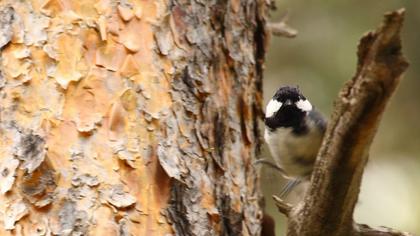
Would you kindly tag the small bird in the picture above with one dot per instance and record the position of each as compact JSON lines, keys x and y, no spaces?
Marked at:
{"x":293,"y":131}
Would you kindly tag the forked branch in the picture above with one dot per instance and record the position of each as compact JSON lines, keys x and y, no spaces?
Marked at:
{"x":328,"y":206}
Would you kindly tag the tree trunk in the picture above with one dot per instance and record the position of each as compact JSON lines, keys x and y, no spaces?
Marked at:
{"x":130,"y":117}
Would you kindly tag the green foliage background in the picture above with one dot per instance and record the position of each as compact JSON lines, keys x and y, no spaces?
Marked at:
{"x":320,"y":60}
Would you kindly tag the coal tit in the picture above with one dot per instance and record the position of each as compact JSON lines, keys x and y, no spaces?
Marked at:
{"x":293,"y":131}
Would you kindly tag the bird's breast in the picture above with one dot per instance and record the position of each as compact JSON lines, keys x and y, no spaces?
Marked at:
{"x":294,"y":153}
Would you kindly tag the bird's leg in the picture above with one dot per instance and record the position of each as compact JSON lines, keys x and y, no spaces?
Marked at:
{"x":288,"y":187}
{"x":270,"y":164}
{"x":291,"y":183}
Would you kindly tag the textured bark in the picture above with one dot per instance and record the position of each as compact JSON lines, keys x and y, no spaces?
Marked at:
{"x":130,"y":117}
{"x":328,"y":206}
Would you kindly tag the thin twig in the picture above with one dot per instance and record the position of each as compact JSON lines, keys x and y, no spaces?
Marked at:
{"x":281,"y":28}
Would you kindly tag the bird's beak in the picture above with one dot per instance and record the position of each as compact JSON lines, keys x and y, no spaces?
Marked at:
{"x":288,"y":102}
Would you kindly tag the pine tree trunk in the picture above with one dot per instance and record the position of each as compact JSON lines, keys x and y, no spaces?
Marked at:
{"x":130,"y":117}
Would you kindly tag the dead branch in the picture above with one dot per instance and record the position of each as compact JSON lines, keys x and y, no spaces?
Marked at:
{"x":281,"y":28}
{"x":328,"y":206}
{"x":365,"y":230}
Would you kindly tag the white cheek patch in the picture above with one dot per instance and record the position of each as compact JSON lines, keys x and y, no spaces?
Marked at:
{"x":272,"y":107}
{"x":304,"y":105}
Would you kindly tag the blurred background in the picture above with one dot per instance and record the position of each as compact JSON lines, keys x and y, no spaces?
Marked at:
{"x":320,"y":59}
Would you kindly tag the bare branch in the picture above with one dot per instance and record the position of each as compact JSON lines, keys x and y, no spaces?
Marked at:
{"x":365,"y":230}
{"x":281,"y":28}
{"x":329,"y":203}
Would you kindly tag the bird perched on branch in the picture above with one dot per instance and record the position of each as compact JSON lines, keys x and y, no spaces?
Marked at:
{"x":293,"y":131}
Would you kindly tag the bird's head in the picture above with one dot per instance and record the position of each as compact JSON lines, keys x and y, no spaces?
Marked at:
{"x":287,"y":108}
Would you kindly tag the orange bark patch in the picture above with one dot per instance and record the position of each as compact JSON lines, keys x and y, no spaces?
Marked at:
{"x":70,"y":67}
{"x":13,"y":61}
{"x":129,"y":36}
{"x":87,"y":102}
{"x":125,"y":12}
{"x":129,"y":67}
{"x":110,"y":55}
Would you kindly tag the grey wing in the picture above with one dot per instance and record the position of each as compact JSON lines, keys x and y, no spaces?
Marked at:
{"x":319,"y":119}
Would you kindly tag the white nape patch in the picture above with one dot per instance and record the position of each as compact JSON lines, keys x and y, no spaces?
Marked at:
{"x":272,"y":107}
{"x":304,"y":105}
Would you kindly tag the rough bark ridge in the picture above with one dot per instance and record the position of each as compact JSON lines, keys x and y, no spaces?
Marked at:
{"x":328,"y":206}
{"x":130,"y":117}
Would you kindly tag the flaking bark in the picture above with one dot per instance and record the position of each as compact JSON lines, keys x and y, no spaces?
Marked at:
{"x":130,"y":117}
